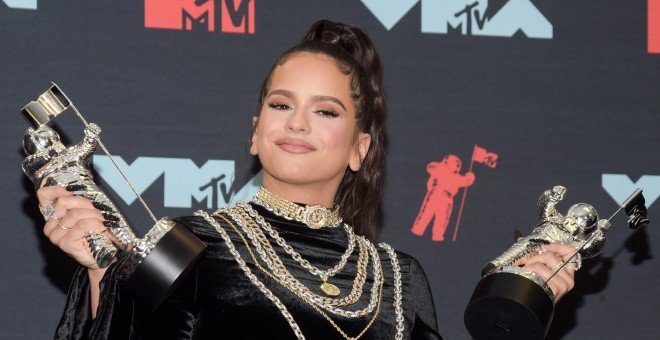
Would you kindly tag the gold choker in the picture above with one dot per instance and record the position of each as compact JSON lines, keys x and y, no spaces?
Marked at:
{"x":314,"y":216}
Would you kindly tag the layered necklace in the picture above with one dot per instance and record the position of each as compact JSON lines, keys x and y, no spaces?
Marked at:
{"x":327,"y":288}
{"x":314,"y":216}
{"x":257,"y":230}
{"x":275,"y":265}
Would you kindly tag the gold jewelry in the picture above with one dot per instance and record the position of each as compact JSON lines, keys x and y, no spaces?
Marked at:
{"x":328,"y":288}
{"x":398,"y":298}
{"x":256,"y":262}
{"x":269,"y":256}
{"x":62,"y":226}
{"x":283,"y":310}
{"x":246,"y":270}
{"x":314,"y":216}
{"x":557,"y":266}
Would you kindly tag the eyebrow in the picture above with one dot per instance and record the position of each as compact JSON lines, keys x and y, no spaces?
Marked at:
{"x":317,"y":98}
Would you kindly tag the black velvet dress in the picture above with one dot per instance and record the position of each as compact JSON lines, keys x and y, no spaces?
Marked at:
{"x":218,"y":301}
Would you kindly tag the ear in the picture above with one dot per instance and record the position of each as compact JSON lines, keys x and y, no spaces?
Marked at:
{"x":360,"y":152}
{"x":253,"y":148}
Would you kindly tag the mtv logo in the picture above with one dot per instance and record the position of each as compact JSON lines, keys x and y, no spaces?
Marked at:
{"x":237,"y":16}
{"x":472,"y":18}
{"x":183,"y":181}
{"x":179,"y":14}
{"x":654,"y":26}
{"x":22,"y":4}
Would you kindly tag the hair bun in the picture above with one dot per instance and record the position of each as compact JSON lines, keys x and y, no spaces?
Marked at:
{"x":353,"y":40}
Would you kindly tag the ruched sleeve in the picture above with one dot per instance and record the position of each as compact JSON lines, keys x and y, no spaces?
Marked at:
{"x":425,"y":324}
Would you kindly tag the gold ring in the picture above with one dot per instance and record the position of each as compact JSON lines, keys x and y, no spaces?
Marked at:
{"x":555,"y":267}
{"x":65,"y":228}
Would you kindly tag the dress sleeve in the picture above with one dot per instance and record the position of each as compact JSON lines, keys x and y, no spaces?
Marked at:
{"x":425,"y":324}
{"x":118,"y":315}
{"x":113,"y":316}
{"x":76,"y":319}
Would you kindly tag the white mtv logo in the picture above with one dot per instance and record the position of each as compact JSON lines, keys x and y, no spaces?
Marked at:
{"x":469,"y":15}
{"x":23,"y":4}
{"x":620,"y":186}
{"x":183,"y":180}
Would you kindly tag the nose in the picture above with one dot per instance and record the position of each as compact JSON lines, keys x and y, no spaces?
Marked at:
{"x":298,"y":122}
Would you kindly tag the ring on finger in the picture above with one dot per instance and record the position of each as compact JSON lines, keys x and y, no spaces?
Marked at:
{"x":557,"y":266}
{"x":576,"y":265}
{"x":62,"y":226}
{"x":578,"y":261}
{"x":48,"y":212}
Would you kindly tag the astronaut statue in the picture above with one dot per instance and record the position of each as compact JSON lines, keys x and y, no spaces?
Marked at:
{"x":511,"y":302}
{"x":150,"y":267}
{"x":580,"y":228}
{"x":50,"y":163}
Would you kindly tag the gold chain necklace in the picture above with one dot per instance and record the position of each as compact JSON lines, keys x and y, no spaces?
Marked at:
{"x":269,"y":256}
{"x":314,"y":216}
{"x":248,"y":273}
{"x":328,"y":288}
{"x":325,"y":316}
{"x":398,"y":298}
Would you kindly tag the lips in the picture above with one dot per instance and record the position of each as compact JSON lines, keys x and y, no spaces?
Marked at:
{"x":294,"y":145}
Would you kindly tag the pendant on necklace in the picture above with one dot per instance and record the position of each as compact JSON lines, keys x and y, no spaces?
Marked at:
{"x":329,"y":289}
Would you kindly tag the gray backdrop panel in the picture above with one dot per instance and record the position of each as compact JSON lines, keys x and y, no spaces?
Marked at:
{"x":563,"y":111}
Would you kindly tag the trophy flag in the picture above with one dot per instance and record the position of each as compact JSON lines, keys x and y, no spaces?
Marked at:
{"x":479,"y":155}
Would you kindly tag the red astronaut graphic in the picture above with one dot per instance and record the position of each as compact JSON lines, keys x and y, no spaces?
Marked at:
{"x":443,"y":184}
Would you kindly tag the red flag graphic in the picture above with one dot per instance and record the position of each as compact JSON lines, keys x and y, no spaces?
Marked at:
{"x":480,"y":155}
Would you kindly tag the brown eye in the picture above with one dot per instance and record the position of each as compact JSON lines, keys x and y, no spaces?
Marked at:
{"x":279,"y":106}
{"x":328,"y":113}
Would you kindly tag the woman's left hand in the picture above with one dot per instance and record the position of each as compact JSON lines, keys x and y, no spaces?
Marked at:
{"x":548,"y":261}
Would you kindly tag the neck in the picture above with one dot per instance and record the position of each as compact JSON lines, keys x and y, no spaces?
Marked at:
{"x":309,"y":193}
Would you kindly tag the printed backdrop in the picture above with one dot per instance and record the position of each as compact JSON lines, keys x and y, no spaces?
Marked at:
{"x":490,"y":104}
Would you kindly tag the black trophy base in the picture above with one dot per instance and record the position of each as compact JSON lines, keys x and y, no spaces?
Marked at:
{"x":508,"y":306}
{"x":168,"y":263}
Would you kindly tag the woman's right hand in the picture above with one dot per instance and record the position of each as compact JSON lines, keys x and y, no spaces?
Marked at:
{"x":72,"y":218}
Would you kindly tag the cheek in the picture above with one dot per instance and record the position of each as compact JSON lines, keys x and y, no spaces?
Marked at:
{"x":267,"y":124}
{"x":340,"y":139}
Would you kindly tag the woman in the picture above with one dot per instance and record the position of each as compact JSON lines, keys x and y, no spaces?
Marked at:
{"x":274,"y":268}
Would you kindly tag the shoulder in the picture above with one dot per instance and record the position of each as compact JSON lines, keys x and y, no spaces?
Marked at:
{"x":402,"y":257}
{"x":210,"y":228}
{"x":202,"y":220}
{"x":408,"y":266}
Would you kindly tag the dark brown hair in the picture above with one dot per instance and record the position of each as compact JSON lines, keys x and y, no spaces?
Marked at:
{"x":360,"y":192}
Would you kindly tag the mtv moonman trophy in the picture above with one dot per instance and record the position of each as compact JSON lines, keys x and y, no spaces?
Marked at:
{"x":511,"y":302}
{"x":150,"y":267}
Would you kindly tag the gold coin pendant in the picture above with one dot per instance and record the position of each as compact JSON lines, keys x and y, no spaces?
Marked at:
{"x":330,"y":289}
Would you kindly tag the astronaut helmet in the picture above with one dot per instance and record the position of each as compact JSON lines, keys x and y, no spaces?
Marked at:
{"x":452,"y":162}
{"x":40,"y":139}
{"x":580,"y":219}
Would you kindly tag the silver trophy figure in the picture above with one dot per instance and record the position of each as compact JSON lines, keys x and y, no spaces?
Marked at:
{"x":150,"y":267}
{"x":511,"y":302}
{"x":49,"y":162}
{"x":581,"y":224}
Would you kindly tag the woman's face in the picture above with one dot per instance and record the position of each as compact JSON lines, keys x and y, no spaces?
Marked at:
{"x":306,"y":133}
